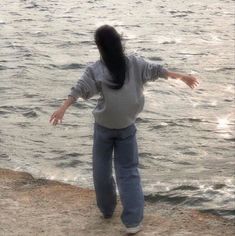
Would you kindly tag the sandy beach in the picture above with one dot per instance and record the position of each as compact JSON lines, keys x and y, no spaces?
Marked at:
{"x":31,"y":206}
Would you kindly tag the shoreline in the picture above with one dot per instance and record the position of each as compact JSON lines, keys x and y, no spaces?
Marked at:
{"x":37,"y":206}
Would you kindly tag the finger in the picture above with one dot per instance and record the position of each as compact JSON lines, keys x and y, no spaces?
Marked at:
{"x":55,"y":121}
{"x":52,"y":116}
{"x":51,"y":119}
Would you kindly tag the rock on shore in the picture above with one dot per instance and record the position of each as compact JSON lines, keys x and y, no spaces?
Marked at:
{"x":30,"y":206}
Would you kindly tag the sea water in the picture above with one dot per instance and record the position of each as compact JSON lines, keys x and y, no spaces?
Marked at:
{"x":186,"y":137}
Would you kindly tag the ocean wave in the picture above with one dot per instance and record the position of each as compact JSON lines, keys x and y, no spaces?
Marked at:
{"x":199,"y":197}
{"x":72,"y":163}
{"x":3,"y":67}
{"x":70,"y":66}
{"x":4,"y":156}
{"x":29,"y":114}
{"x":226,"y":213}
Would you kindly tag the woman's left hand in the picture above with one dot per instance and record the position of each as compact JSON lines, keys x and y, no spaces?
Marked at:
{"x":191,"y":81}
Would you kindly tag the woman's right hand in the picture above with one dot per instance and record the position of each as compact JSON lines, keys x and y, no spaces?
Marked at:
{"x":57,"y":116}
{"x":190,"y":80}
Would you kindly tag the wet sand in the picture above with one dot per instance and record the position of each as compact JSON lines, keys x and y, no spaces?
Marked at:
{"x":31,"y":206}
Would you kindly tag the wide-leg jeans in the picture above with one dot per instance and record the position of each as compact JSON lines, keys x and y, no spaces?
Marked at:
{"x":122,"y":143}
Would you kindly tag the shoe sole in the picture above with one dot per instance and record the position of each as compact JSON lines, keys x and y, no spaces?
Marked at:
{"x":134,"y":230}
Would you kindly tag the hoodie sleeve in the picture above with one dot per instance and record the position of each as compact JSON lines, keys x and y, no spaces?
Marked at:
{"x":150,"y":70}
{"x":86,"y":87}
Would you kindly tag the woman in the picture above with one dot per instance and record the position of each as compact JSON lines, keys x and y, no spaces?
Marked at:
{"x":119,"y":80}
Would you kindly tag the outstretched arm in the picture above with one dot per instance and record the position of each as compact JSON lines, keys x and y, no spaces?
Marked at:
{"x":191,"y":81}
{"x":85,"y":88}
{"x":152,"y":71}
{"x":57,"y":116}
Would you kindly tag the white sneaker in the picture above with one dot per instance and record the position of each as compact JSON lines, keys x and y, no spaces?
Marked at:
{"x":134,"y":230}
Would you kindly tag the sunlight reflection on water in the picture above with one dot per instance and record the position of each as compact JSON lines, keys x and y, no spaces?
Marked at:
{"x":222,"y":123}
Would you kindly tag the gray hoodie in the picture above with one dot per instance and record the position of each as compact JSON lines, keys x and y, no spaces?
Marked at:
{"x":117,"y":109}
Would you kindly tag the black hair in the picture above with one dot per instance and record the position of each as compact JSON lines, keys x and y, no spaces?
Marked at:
{"x":109,"y":43}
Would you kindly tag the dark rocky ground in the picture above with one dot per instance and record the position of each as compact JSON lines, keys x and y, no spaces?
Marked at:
{"x":31,"y":206}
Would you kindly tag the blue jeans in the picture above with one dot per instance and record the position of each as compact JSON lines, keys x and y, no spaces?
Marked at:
{"x":123,"y":143}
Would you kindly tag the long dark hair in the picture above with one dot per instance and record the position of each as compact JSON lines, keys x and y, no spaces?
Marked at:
{"x":109,"y":43}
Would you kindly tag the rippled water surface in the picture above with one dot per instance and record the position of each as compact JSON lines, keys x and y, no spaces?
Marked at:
{"x":186,"y":138}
